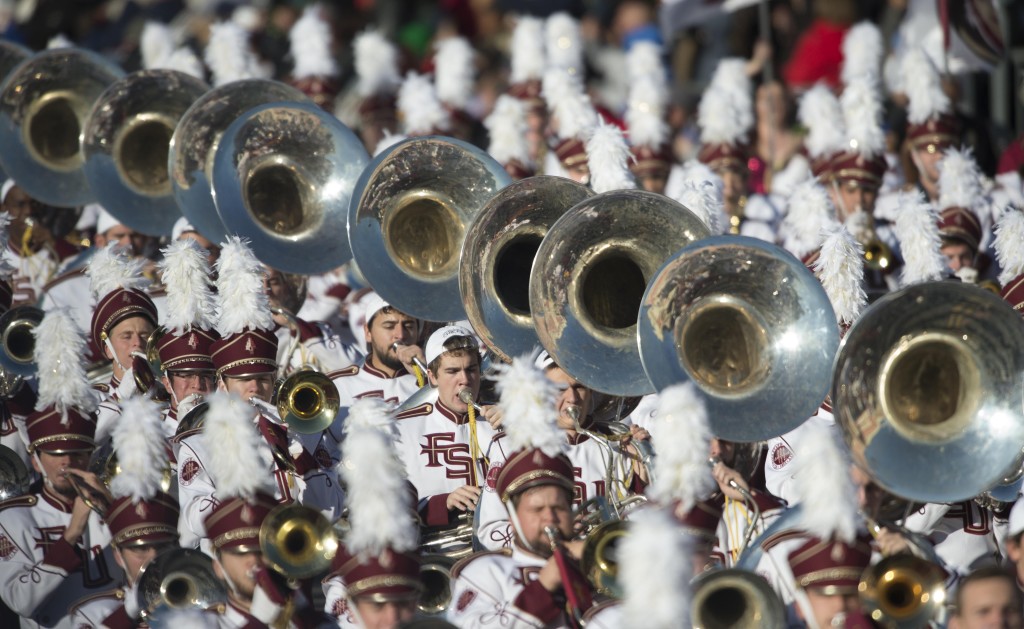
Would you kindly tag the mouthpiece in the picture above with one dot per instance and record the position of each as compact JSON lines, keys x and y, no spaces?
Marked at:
{"x":714,"y":460}
{"x":466,"y":396}
{"x":573,"y":412}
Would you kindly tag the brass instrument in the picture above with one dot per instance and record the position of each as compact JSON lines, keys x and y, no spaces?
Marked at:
{"x":408,"y":218}
{"x":466,"y":397}
{"x":18,"y":340}
{"x":93,"y":498}
{"x":126,"y":141}
{"x":297,"y":541}
{"x":11,"y":55}
{"x":930,"y":374}
{"x":44,"y":105}
{"x":903,"y":591}
{"x":178,"y":579}
{"x":419,"y":363}
{"x":749,"y":325}
{"x":194,"y":144}
{"x":878,"y":256}
{"x":192,"y":420}
{"x":426,"y":394}
{"x":14,"y":476}
{"x":734,"y":598}
{"x":619,"y":506}
{"x":436,"y":573}
{"x":588,"y":278}
{"x":750,"y":502}
{"x":294,"y":340}
{"x":283,"y":175}
{"x":453,"y":541}
{"x":307,"y":401}
{"x":599,"y":559}
{"x":498,"y":253}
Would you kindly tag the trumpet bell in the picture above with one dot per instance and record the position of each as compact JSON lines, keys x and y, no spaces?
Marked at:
{"x":194,"y":144}
{"x":308,"y":402}
{"x":733,"y":598}
{"x":599,"y":560}
{"x":177,"y":579}
{"x":408,"y":219}
{"x":126,"y":141}
{"x":903,"y":591}
{"x":497,"y":256}
{"x":14,"y":477}
{"x":18,"y":340}
{"x":588,"y":279}
{"x":297,"y":541}
{"x":928,"y":375}
{"x":282,"y":177}
{"x":748,"y":324}
{"x":44,"y":105}
{"x":436,"y":573}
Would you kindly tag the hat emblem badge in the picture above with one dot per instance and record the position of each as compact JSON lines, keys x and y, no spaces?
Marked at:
{"x":192,"y":340}
{"x":250,"y":346}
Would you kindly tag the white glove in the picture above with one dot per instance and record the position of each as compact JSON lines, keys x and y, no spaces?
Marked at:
{"x":189,"y":403}
{"x":126,"y":388}
{"x":131,"y":602}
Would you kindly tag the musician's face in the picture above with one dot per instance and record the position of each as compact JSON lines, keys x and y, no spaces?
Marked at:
{"x":571,"y":393}
{"x":52,"y":466}
{"x":128,"y":336}
{"x":384,"y":614}
{"x":259,"y":386}
{"x":987,"y":604}
{"x":958,"y":255}
{"x":455,"y":373}
{"x":927,"y":159}
{"x":547,"y":505}
{"x":855,"y":197}
{"x":386,"y":329}
{"x":184,"y":383}
{"x":240,"y":569}
{"x":133,"y":559}
{"x":825,"y":607}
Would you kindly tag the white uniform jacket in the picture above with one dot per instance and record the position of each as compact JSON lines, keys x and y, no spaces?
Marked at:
{"x":313,"y":345}
{"x":364,"y":380}
{"x":105,"y":609}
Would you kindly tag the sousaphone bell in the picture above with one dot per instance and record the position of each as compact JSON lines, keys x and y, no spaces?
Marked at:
{"x":588,"y":279}
{"x":731,"y":598}
{"x":14,"y":476}
{"x":178,"y":579}
{"x":749,"y":325}
{"x":497,"y":256}
{"x":283,"y":176}
{"x":408,"y":219}
{"x":44,"y":105}
{"x":11,"y":54}
{"x":126,"y":141}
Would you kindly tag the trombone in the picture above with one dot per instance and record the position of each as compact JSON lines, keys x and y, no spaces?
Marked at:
{"x":903,"y":591}
{"x":297,"y":541}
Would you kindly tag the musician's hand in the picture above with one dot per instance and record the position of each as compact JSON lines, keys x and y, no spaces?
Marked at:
{"x":406,"y":354}
{"x":127,"y":387}
{"x":464,"y":498}
{"x":280,"y":319}
{"x":493,"y":414}
{"x":269,"y":596}
{"x":723,"y":474}
{"x":550,"y":576}
{"x":80,"y":511}
{"x":636,"y":433}
{"x":891,"y":542}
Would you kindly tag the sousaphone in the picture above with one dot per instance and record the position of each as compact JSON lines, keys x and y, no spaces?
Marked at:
{"x":408,"y":220}
{"x":497,"y":256}
{"x":11,"y":54}
{"x":927,"y":390}
{"x":589,"y":276}
{"x":44,"y":105}
{"x":749,"y":325}
{"x":126,"y":141}
{"x":283,"y":176}
{"x":195,"y":140}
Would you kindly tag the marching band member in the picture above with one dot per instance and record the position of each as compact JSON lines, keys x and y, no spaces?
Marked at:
{"x":378,"y":78}
{"x":645,"y":117}
{"x":143,"y":519}
{"x":589,"y":457}
{"x":55,"y":549}
{"x":961,"y":228}
{"x":1010,"y":253}
{"x":442,"y":444}
{"x":932,"y":126}
{"x":1012,"y":541}
{"x":375,"y":577}
{"x":20,"y":401}
{"x":988,"y":597}
{"x":573,"y":117}
{"x":508,"y":131}
{"x":533,"y":584}
{"x":30,"y":249}
{"x":184,"y":349}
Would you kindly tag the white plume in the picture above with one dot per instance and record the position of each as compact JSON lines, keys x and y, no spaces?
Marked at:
{"x":60,"y":356}
{"x":644,"y":60}
{"x":574,"y":114}
{"x":683,"y":442}
{"x":311,"y":41}
{"x":823,"y":486}
{"x":376,"y":64}
{"x":141,"y":449}
{"x":378,"y":501}
{"x":862,"y":114}
{"x":959,"y":179}
{"x":703,"y":198}
{"x":862,"y":53}
{"x":809,"y":211}
{"x":7,"y":270}
{"x":455,"y":71}
{"x":726,"y":114}
{"x":821,"y":114}
{"x":241,"y":300}
{"x":1009,"y":245}
{"x":528,"y":402}
{"x":527,"y":47}
{"x":185,"y":271}
{"x":113,"y":267}
{"x":60,"y":40}
{"x":230,"y":431}
{"x":608,"y":158}
{"x":155,"y":44}
{"x":655,"y":571}
{"x":840,"y":269}
{"x":923,"y":87}
{"x":389,"y":140}
{"x":228,"y":54}
{"x":917,"y":230}
{"x":645,"y":113}
{"x":564,"y":43}
{"x":508,"y":129}
{"x":419,"y":107}
{"x":375,"y":416}
{"x":185,"y":61}
{"x":892,"y":74}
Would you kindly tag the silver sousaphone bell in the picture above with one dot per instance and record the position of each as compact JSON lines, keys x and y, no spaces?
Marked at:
{"x":178,"y":579}
{"x":497,"y":257}
{"x":14,"y":476}
{"x":927,"y":390}
{"x":408,"y":219}
{"x":588,"y":278}
{"x":44,"y":105}
{"x":283,"y":176}
{"x":195,"y":140}
{"x":11,"y":54}
{"x":748,"y":324}
{"x":126,"y":141}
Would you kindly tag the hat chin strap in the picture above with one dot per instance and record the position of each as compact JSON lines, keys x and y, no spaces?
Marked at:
{"x":110,"y":346}
{"x":42,"y":470}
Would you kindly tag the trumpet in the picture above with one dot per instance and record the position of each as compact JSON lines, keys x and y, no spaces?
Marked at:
{"x":92,"y":497}
{"x":177,"y":579}
{"x":298,"y":542}
{"x":903,"y":591}
{"x":454,"y":541}
{"x":307,"y":401}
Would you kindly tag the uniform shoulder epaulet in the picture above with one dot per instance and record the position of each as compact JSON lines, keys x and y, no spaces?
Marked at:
{"x":465,"y":561}
{"x":351,"y":370}
{"x":63,"y":277}
{"x":102,"y":387}
{"x":600,"y":607}
{"x":116,"y":593}
{"x":19,"y":501}
{"x":498,"y":436}
{"x":417,"y":411}
{"x":179,"y":437}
